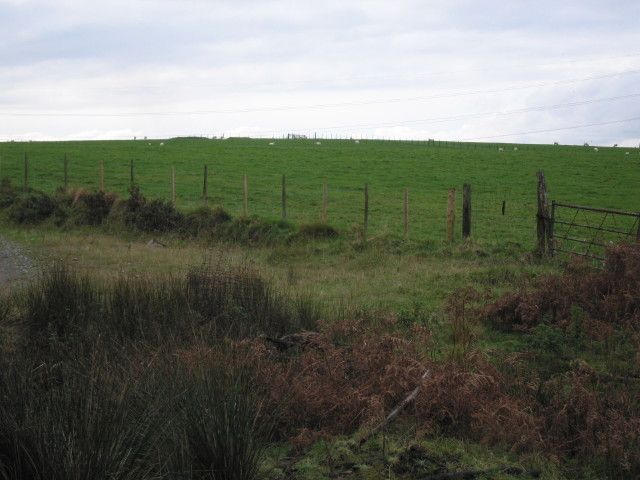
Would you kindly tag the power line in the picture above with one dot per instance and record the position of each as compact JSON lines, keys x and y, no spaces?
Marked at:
{"x":435,"y":120}
{"x":488,"y":114}
{"x":379,"y":76}
{"x":325,"y":105}
{"x":572,"y":127}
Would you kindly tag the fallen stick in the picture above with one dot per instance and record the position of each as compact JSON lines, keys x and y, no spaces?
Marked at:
{"x":396,"y":411}
{"x":471,"y":474}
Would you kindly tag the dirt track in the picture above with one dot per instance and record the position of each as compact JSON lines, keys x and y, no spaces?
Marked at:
{"x":15,"y":265}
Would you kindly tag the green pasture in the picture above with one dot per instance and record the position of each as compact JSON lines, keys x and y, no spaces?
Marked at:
{"x":608,"y":177}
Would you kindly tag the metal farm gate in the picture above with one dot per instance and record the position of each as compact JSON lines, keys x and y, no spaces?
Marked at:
{"x":588,"y":231}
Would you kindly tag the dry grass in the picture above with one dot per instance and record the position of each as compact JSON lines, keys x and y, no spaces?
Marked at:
{"x":335,"y":274}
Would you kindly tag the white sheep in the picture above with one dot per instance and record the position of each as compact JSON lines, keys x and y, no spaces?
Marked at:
{"x":626,"y":153}
{"x":515,"y":149}
{"x":595,"y":149}
{"x":317,"y":143}
{"x":162,"y":144}
{"x":357,"y":141}
{"x":500,"y":149}
{"x":272,"y":143}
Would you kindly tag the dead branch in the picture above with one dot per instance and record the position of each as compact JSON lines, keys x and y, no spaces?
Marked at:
{"x":302,"y":339}
{"x":396,"y":411}
{"x":471,"y":474}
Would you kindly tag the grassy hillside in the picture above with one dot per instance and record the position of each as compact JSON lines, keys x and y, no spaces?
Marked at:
{"x":606,"y":178}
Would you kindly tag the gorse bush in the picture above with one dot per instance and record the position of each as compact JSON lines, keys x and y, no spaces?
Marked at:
{"x":151,"y":216}
{"x":254,"y":231}
{"x":205,"y":219}
{"x":158,"y":216}
{"x":31,"y":207}
{"x":8,"y":193}
{"x":93,"y":208}
{"x":317,"y":230}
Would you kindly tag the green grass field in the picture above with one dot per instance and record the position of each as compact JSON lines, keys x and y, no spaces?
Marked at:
{"x":604,"y":178}
{"x":565,"y":371}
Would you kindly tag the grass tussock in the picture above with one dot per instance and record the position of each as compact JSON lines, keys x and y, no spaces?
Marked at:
{"x":210,"y":302}
{"x":89,"y":417}
{"x":189,"y":377}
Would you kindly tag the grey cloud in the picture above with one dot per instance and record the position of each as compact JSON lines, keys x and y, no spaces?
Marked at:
{"x":120,"y":56}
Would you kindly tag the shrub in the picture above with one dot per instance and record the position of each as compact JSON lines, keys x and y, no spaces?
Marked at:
{"x":158,"y":216}
{"x":8,"y":193}
{"x":33,"y":207}
{"x":92,"y":208}
{"x":153,"y":216}
{"x":205,"y":219}
{"x":135,"y":201}
{"x":253,"y":231}
{"x":317,"y":231}
{"x":607,"y":296}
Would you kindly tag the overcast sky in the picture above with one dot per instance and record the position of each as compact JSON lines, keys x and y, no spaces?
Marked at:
{"x":539,"y":71}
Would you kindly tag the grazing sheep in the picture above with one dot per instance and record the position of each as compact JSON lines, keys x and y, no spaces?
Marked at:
{"x":272,"y":143}
{"x":595,"y":149}
{"x":357,"y":141}
{"x":500,"y":149}
{"x":515,"y":149}
{"x":162,"y":144}
{"x":317,"y":143}
{"x":626,"y":153}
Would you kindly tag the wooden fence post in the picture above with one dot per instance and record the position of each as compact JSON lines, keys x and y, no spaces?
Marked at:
{"x":284,"y":197}
{"x":451,"y":213}
{"x":550,"y":240}
{"x":26,"y":172}
{"x":102,"y":175}
{"x":205,"y":193}
{"x":66,"y":173}
{"x":245,"y":196}
{"x":542,"y":215}
{"x":173,"y":185}
{"x":325,"y":201}
{"x":366,"y":209}
{"x":466,"y":210}
{"x":405,"y":214}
